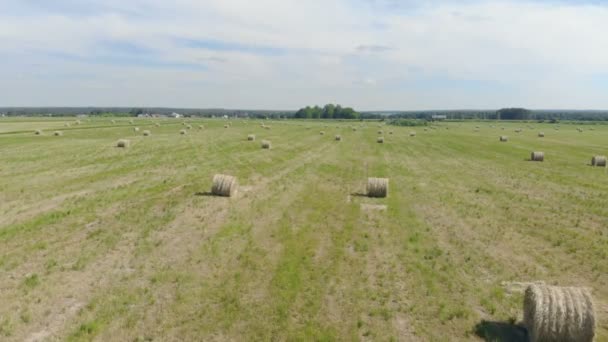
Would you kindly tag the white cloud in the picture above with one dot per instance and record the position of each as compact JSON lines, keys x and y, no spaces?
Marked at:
{"x":289,"y":53}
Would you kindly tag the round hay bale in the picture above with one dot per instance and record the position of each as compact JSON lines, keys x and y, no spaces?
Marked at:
{"x":267,"y":127}
{"x":147,"y":133}
{"x":377,"y":187}
{"x":380,"y":140}
{"x":380,"y":132}
{"x":338,"y":138}
{"x":553,"y":313}
{"x":131,"y":122}
{"x":598,"y":161}
{"x":504,"y":138}
{"x":390,"y":132}
{"x":224,"y":185}
{"x":38,"y":132}
{"x":189,"y":127}
{"x":157,"y":124}
{"x":201,"y":127}
{"x":251,"y":137}
{"x":412,"y":134}
{"x":226,"y":126}
{"x":541,"y":134}
{"x":266,"y":145}
{"x":354,"y":129}
{"x":183,"y":132}
{"x":124,"y":143}
{"x":537,"y":156}
{"x":322,"y":133}
{"x":136,"y":129}
{"x":58,"y":133}
{"x":67,"y":124}
{"x":518,"y":130}
{"x":113,"y":121}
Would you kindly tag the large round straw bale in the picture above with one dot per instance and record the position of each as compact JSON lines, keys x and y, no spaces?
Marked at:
{"x":136,"y":129}
{"x":267,"y":127}
{"x":146,"y":133}
{"x":537,"y":156}
{"x":113,"y":121}
{"x":131,"y":122}
{"x":541,"y":134}
{"x":354,"y":129}
{"x":504,"y":138}
{"x":412,"y":134}
{"x":201,"y":127}
{"x":598,"y":161}
{"x":377,"y":187}
{"x":266,"y":144}
{"x":38,"y":132}
{"x":189,"y":127}
{"x":67,"y":124}
{"x":58,"y":133}
{"x":380,"y":140}
{"x":338,"y":138}
{"x":123,"y":143}
{"x":224,"y":185}
{"x":183,"y":132}
{"x":322,"y":133}
{"x":553,"y":313}
{"x":518,"y":130}
{"x":380,"y":132}
{"x":157,"y":124}
{"x":251,"y":137}
{"x":226,"y":126}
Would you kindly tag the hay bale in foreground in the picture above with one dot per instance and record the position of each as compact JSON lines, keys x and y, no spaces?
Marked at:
{"x":412,"y":134}
{"x":224,"y":185}
{"x":183,"y":132}
{"x":266,"y":144}
{"x":124,"y":143}
{"x":504,"y":138}
{"x":58,"y":133}
{"x":380,"y":140}
{"x":147,"y":133}
{"x":553,"y":313}
{"x":598,"y":161}
{"x":38,"y":132}
{"x":537,"y":156}
{"x":338,"y":138}
{"x":377,"y":187}
{"x":251,"y":137}
{"x":541,"y":134}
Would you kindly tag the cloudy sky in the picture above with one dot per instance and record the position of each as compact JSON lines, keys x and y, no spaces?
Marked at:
{"x":285,"y":54}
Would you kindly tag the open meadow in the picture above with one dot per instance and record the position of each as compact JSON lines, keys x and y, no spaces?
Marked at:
{"x":105,"y":243}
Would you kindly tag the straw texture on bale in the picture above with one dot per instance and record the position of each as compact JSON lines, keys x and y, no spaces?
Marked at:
{"x":266,"y":144}
{"x":251,"y":137}
{"x":377,"y":187}
{"x":147,"y":133}
{"x":322,"y":133}
{"x":58,"y":133}
{"x":224,"y":185}
{"x":598,"y":161}
{"x":380,"y":132}
{"x":189,"y":127}
{"x":380,"y":140}
{"x":504,"y":138}
{"x":38,"y":132}
{"x":412,"y":134}
{"x":226,"y":126}
{"x":201,"y":127}
{"x":183,"y":132}
{"x":157,"y":124}
{"x":136,"y":129}
{"x":564,"y":314}
{"x":338,"y":138}
{"x":541,"y":135}
{"x":123,"y":143}
{"x":537,"y":156}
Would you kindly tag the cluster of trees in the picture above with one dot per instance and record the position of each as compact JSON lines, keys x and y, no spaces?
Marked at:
{"x":408,"y":122}
{"x":513,"y":114}
{"x":329,"y":111}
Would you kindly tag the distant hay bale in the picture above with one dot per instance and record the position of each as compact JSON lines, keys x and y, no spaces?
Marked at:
{"x":38,"y":132}
{"x":224,"y":185}
{"x":226,"y":126}
{"x":426,"y":129}
{"x":183,"y":123}
{"x":58,"y":133}
{"x":377,"y":187}
{"x":201,"y":127}
{"x":146,"y":133}
{"x":380,"y":132}
{"x":322,"y":133}
{"x":113,"y":121}
{"x":67,"y":124}
{"x":136,"y":129}
{"x":266,"y":144}
{"x":78,"y":122}
{"x":541,"y":134}
{"x":390,"y":132}
{"x":251,"y":137}
{"x":580,"y":130}
{"x":183,"y":132}
{"x":537,"y":156}
{"x":553,"y":313}
{"x":412,"y":134}
{"x":504,"y":138}
{"x":189,"y":127}
{"x":124,"y":143}
{"x":157,"y":124}
{"x":338,"y":138}
{"x":518,"y":130}
{"x":131,"y":122}
{"x":598,"y":161}
{"x":380,"y":140}
{"x":267,"y":127}
{"x":354,"y":129}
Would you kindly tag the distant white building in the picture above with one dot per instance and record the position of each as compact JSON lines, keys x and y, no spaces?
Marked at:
{"x":175,"y":115}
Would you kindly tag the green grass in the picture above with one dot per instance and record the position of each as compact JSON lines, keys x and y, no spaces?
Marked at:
{"x":102,"y":243}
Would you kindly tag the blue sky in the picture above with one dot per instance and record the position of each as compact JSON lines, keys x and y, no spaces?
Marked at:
{"x":285,"y":54}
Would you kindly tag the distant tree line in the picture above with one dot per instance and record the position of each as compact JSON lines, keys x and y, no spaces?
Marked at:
{"x":329,"y":111}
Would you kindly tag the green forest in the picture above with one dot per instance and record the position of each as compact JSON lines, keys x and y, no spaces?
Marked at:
{"x":329,"y":111}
